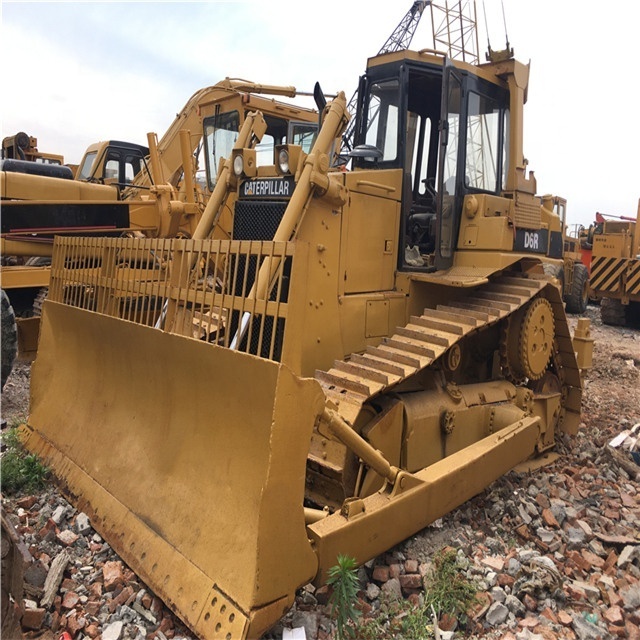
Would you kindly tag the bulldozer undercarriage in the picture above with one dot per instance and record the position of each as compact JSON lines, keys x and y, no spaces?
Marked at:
{"x":468,"y":361}
{"x":309,"y":468}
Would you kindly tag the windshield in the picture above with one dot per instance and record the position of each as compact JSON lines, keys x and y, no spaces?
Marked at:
{"x":220,"y":134}
{"x":382,"y":118}
{"x":484,"y":125}
{"x":85,"y":169}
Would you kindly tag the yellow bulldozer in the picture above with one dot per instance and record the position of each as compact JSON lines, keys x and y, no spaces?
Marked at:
{"x":368,"y":349}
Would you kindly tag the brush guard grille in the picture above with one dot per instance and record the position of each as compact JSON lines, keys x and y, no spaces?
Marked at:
{"x":200,"y":289}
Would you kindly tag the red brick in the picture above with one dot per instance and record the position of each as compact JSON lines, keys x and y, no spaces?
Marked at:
{"x":166,"y":624}
{"x":411,"y":566}
{"x":48,"y":528}
{"x":92,"y":607}
{"x":543,"y":501}
{"x":447,"y":622}
{"x":27,"y":502}
{"x":614,"y":598}
{"x":611,"y":560}
{"x":395,"y":570}
{"x":55,"y":621}
{"x":93,"y":631}
{"x":70,"y":600}
{"x":549,"y":615}
{"x":75,"y":623}
{"x":613,"y":615}
{"x":112,"y":575}
{"x":576,"y":593}
{"x":121,"y":598}
{"x":381,"y":573}
{"x":363,"y":607}
{"x":411,"y":581}
{"x":564,"y":619}
{"x":530,"y":603}
{"x":549,"y":518}
{"x":505,"y":580}
{"x":68,"y":585}
{"x":495,"y":563}
{"x":528,"y":623}
{"x":632,"y":631}
{"x":414,"y":599}
{"x":33,"y":618}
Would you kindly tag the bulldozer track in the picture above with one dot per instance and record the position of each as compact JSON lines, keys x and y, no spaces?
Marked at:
{"x":351,"y":382}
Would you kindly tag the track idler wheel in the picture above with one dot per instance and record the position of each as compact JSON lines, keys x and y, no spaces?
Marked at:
{"x":529,"y":341}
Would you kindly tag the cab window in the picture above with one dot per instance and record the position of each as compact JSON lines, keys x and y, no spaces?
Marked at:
{"x":87,"y":163}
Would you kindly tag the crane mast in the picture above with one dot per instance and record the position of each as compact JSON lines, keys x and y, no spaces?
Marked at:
{"x":455,"y":32}
{"x":399,"y":40}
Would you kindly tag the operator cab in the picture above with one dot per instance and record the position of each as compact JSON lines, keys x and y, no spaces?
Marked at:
{"x":113,"y":162}
{"x":446,"y":128}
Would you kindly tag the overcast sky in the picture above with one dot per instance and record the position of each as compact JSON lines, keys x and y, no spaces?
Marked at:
{"x":77,"y":72}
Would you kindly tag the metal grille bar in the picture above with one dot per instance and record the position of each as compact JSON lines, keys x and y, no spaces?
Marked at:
{"x":197,"y":288}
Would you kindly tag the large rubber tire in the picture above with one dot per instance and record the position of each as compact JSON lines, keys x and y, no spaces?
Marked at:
{"x":578,"y":298}
{"x":9,"y":337}
{"x":38,"y":261}
{"x":556,"y":272}
{"x":613,"y":312}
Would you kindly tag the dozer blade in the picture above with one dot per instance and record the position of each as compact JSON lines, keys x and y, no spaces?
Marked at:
{"x":189,"y":459}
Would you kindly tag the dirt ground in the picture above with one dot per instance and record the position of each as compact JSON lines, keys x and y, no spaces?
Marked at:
{"x":15,"y":395}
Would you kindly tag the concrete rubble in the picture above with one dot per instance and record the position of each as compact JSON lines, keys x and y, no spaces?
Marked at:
{"x":557,"y":554}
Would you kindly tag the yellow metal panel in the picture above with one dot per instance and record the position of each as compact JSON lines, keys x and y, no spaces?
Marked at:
{"x":28,"y":333}
{"x":611,"y":246}
{"x":377,"y":318}
{"x":23,"y":186}
{"x":17,"y":277}
{"x":371,"y":244}
{"x":363,"y":318}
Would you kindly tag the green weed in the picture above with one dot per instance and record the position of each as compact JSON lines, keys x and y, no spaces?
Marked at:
{"x":447,"y":591}
{"x":445,"y":587}
{"x":19,"y":470}
{"x":396,"y":620}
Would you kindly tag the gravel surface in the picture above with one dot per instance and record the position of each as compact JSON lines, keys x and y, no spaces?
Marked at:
{"x":555,"y":551}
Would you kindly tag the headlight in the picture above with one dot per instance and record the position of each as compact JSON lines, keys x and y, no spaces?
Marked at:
{"x":238,"y":165}
{"x":283,"y":161}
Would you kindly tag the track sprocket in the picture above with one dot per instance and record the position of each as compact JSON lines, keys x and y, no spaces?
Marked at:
{"x":528,"y":341}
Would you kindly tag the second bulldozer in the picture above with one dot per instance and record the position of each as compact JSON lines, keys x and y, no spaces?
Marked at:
{"x":370,"y":349}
